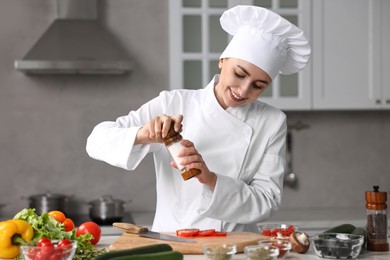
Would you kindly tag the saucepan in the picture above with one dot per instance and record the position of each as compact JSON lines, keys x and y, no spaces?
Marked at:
{"x":107,"y":210}
{"x":49,"y":201}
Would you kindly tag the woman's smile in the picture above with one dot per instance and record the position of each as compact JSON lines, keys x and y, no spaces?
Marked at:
{"x":236,"y":97}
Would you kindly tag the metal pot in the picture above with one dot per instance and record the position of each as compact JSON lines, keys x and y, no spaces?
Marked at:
{"x":49,"y":201}
{"x":106,"y":210}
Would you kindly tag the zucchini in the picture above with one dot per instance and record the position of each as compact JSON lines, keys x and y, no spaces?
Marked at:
{"x":167,"y":255}
{"x":343,"y":228}
{"x":135,"y":251}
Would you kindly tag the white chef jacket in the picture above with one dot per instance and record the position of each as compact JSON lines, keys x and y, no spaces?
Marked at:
{"x":243,"y":146}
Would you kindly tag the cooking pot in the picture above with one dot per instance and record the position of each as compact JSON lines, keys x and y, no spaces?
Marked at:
{"x":49,"y":201}
{"x":106,"y":210}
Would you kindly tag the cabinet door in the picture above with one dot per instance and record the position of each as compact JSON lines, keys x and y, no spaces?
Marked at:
{"x":347,"y":54}
{"x":385,"y":51}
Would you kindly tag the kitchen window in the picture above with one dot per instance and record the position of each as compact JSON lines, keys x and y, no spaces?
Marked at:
{"x":197,"y":40}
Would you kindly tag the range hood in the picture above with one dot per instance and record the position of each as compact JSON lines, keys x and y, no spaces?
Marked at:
{"x":75,"y":43}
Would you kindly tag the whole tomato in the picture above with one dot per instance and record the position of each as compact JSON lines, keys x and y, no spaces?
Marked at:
{"x":92,"y":228}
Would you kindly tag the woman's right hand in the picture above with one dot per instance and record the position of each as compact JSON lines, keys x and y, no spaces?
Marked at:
{"x":157,"y":129}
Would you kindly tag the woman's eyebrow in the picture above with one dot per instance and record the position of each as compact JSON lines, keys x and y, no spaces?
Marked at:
{"x":247,"y":73}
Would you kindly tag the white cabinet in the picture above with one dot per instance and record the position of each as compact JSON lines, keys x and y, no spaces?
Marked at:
{"x":350,"y":64}
{"x":350,"y":54}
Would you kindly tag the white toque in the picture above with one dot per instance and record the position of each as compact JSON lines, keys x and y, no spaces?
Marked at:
{"x":265,"y":39}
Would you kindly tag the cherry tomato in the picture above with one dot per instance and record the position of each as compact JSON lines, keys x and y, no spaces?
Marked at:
{"x":267,"y":232}
{"x":32,"y":252}
{"x":57,"y":215}
{"x":187,"y":232}
{"x":92,"y":228}
{"x":68,"y":224}
{"x":43,"y":240}
{"x":206,"y":233}
{"x":47,"y":248}
{"x":64,"y":244}
{"x":290,"y":230}
{"x":57,"y":255}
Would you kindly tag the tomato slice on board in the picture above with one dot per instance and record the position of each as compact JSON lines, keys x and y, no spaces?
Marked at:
{"x":187,"y":232}
{"x":220,"y":234}
{"x":206,"y":232}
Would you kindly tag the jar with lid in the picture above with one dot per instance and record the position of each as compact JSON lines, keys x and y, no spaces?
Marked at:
{"x":376,"y":220}
{"x":172,"y":142}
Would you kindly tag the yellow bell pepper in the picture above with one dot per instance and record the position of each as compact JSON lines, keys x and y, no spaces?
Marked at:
{"x":12,"y":234}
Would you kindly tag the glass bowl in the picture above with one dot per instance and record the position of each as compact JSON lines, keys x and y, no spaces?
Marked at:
{"x":58,"y":253}
{"x":284,"y":245}
{"x":277,"y":230}
{"x":337,"y":245}
{"x":215,"y":251}
{"x":261,"y":252}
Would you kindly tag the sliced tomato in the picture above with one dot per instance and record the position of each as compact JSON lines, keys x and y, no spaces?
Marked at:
{"x":220,"y":234}
{"x":187,"y":232}
{"x":206,"y":232}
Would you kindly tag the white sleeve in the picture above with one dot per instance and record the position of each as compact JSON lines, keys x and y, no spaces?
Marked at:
{"x":113,"y":141}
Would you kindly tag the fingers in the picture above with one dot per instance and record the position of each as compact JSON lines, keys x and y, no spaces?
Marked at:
{"x":177,"y":120}
{"x":159,"y":126}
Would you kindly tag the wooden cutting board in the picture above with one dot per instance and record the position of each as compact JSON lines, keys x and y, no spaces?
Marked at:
{"x":241,"y":239}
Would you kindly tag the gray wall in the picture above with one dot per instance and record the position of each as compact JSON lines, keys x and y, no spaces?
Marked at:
{"x":45,"y":121}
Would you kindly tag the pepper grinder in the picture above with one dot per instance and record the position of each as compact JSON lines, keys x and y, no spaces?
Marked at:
{"x":376,"y":220}
{"x":172,"y":142}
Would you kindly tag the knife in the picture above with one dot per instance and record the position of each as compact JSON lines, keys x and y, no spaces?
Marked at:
{"x":145,"y":232}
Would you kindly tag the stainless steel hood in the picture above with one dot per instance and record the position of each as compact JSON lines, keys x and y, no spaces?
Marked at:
{"x":75,"y":43}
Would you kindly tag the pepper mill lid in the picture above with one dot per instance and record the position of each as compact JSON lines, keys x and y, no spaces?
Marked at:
{"x":376,"y":200}
{"x":172,"y":135}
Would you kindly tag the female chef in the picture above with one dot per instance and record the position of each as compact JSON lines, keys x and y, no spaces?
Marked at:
{"x":236,"y":141}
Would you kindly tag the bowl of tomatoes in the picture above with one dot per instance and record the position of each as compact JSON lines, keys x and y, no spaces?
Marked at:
{"x":277,"y":230}
{"x":63,"y":249}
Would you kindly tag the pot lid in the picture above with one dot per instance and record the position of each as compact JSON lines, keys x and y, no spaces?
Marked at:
{"x":49,"y":195}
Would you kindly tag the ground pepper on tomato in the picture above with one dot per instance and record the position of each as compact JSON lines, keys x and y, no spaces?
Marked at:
{"x":13,"y":233}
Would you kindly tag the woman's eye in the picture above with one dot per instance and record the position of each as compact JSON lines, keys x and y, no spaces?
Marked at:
{"x":239,"y":75}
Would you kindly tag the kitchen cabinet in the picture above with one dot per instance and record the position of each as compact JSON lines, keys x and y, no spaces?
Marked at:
{"x":350,"y":64}
{"x":350,"y":54}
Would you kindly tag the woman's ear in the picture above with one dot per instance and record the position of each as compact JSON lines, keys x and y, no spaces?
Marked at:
{"x":220,"y":63}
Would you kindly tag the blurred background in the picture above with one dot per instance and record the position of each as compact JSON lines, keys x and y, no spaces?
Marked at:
{"x":338,"y":108}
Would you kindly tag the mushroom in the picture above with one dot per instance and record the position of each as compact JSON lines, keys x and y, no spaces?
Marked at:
{"x":300,"y":242}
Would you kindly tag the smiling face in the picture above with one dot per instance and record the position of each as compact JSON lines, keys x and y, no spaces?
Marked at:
{"x":240,"y":83}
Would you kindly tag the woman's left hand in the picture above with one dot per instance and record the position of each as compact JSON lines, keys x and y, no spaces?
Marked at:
{"x":192,"y":159}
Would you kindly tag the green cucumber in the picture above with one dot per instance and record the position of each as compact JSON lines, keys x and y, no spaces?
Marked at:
{"x":167,"y":255}
{"x":360,"y":231}
{"x":343,"y":228}
{"x":135,"y":251}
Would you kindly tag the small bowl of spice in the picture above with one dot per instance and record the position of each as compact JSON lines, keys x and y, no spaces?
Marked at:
{"x":261,"y":252}
{"x":284,"y":245}
{"x":215,"y":251}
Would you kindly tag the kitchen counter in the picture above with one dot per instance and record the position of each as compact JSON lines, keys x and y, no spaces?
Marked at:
{"x":107,"y":240}
{"x":311,"y":221}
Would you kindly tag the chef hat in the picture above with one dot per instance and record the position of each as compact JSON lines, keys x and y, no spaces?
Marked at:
{"x":265,"y":39}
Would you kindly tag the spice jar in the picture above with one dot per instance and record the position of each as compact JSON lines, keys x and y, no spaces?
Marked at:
{"x":172,"y":142}
{"x":376,"y":220}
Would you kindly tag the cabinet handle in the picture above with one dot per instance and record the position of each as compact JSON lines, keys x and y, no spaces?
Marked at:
{"x":387,"y":101}
{"x":378,"y":101}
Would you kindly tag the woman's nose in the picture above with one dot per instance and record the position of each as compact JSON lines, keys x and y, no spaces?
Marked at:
{"x":244,"y":89}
